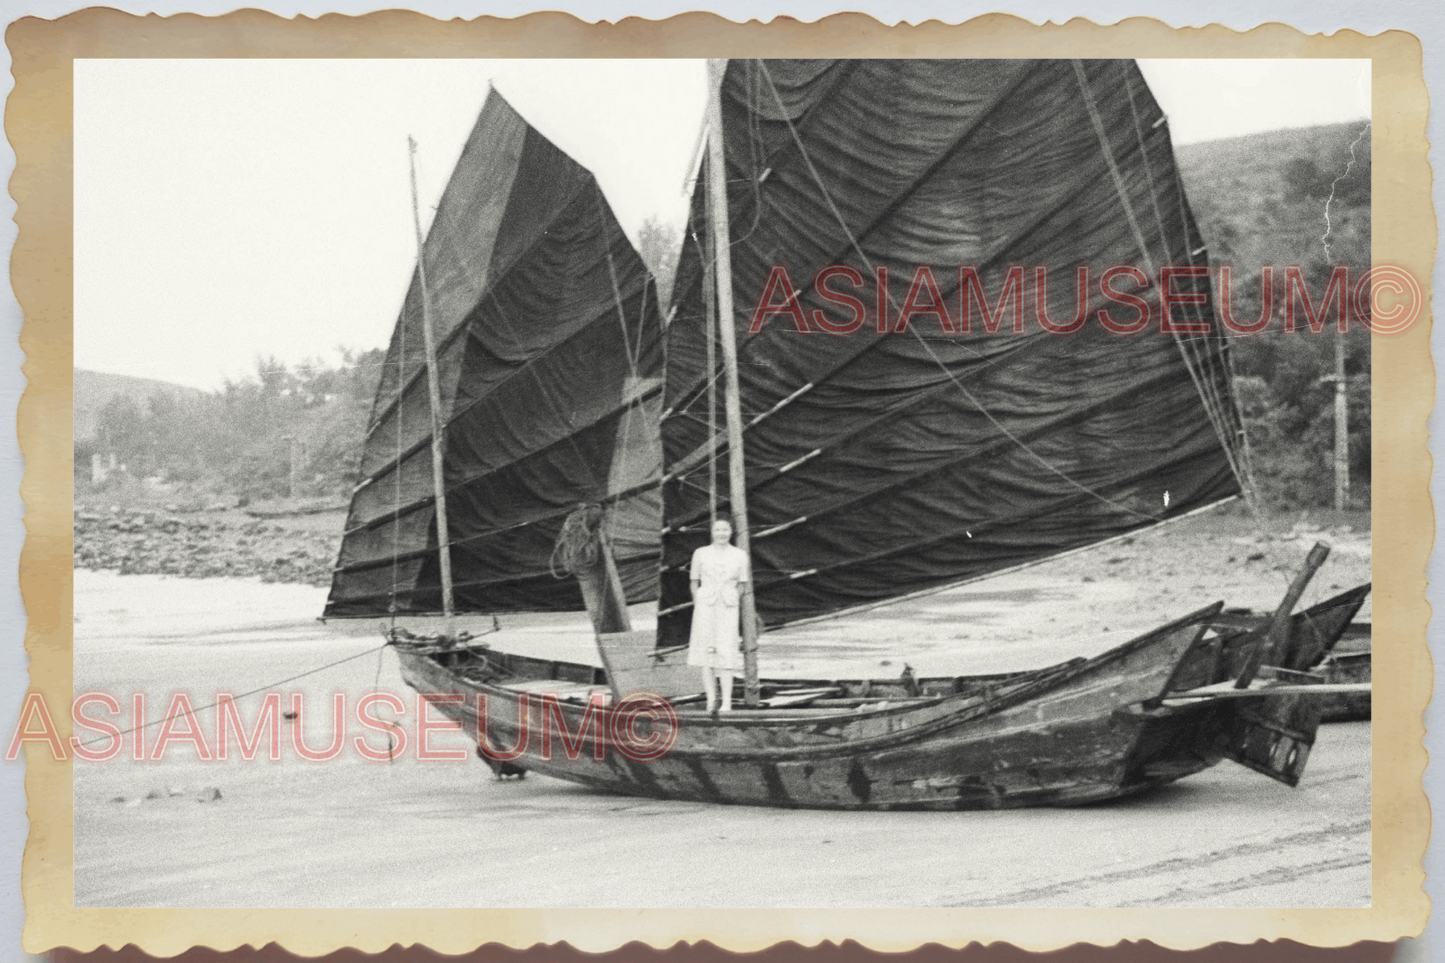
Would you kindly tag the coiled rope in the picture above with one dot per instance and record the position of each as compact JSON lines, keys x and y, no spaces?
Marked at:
{"x":576,"y":551}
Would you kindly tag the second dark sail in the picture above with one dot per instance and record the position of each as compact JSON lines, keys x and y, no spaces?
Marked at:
{"x":881,"y":464}
{"x":549,"y":357}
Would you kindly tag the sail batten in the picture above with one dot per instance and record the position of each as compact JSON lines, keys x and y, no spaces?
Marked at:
{"x":554,"y":515}
{"x":550,"y":368}
{"x":994,"y":446}
{"x":921,"y":457}
{"x":843,"y":251}
{"x":542,"y":443}
{"x":418,"y":383}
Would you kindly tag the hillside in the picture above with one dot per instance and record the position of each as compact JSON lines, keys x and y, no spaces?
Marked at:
{"x":96,"y":389}
{"x":280,"y":432}
{"x":1260,"y":199}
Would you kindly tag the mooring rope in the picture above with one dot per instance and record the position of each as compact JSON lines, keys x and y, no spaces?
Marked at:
{"x":243,"y":695}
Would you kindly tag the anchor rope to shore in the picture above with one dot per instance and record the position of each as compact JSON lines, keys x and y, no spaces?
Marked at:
{"x":380,"y":655}
{"x":243,"y":695}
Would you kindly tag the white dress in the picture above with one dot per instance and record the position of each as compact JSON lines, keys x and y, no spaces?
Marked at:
{"x":714,"y":640}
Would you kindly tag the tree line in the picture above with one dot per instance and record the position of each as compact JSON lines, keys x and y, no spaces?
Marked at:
{"x":283,"y":430}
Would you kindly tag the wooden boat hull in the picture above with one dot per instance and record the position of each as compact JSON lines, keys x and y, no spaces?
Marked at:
{"x":1081,"y":732}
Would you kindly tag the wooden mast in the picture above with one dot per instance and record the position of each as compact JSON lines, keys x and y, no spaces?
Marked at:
{"x":435,"y":404}
{"x":737,"y":479}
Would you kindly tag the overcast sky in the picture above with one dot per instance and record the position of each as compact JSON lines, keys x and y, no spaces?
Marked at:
{"x":226,"y":209}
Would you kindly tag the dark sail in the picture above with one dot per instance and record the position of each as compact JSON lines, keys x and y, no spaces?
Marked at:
{"x":884,"y":464}
{"x":549,"y":359}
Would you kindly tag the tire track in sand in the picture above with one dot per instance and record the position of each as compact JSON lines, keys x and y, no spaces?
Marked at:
{"x":1281,"y":851}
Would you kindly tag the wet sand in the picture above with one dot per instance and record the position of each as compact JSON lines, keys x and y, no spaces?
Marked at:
{"x":446,"y":834}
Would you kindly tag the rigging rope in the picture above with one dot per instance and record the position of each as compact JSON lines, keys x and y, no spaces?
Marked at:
{"x":1223,"y":413}
{"x":380,"y":654}
{"x":1212,"y":408}
{"x":243,"y":695}
{"x":401,"y":386}
{"x":578,"y":541}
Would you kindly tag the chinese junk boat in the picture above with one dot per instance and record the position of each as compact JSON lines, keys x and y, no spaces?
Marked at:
{"x":543,"y":425}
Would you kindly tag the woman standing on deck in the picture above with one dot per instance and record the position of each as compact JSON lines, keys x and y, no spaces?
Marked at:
{"x":720,"y":575}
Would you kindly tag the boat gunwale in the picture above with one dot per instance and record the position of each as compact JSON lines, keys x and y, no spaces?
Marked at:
{"x":973,"y":708}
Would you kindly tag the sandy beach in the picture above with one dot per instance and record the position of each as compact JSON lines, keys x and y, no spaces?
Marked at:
{"x":415,"y":833}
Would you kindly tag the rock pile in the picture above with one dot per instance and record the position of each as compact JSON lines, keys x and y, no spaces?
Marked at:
{"x":203,"y":545}
{"x":200,"y":794}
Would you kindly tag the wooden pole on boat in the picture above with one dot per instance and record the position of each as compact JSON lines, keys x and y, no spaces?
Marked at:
{"x":434,"y":396}
{"x":1269,"y":646}
{"x":737,"y":478}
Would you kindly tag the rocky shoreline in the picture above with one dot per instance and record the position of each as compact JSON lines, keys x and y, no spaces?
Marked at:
{"x":205,"y":545}
{"x":1244,"y":559}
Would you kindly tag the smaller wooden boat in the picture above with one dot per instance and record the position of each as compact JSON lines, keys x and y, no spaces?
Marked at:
{"x":1348,"y":664}
{"x":1347,"y":661}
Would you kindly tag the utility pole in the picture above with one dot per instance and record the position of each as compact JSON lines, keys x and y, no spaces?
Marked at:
{"x":296,"y":459}
{"x":1342,"y":428}
{"x":722,"y":252}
